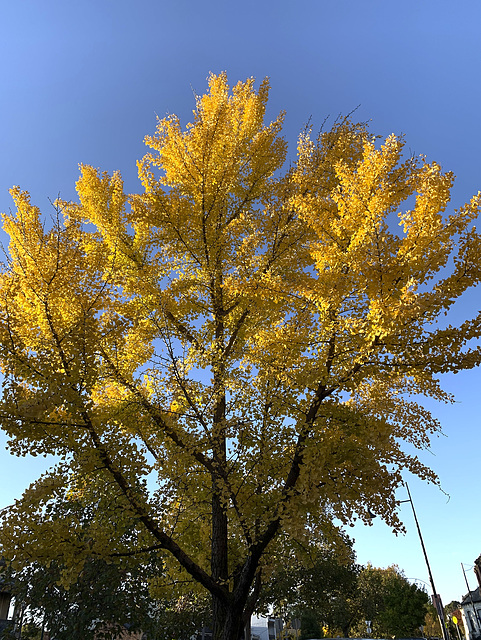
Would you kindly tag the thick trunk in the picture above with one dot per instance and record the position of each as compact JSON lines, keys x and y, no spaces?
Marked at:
{"x":219,"y":543}
{"x":229,"y":613}
{"x":228,"y":620}
{"x":247,"y":631}
{"x":346,"y":627}
{"x":219,"y":565}
{"x":234,"y":614}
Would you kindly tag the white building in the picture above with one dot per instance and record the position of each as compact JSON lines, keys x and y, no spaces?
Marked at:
{"x":471,"y":612}
{"x":265,"y":628}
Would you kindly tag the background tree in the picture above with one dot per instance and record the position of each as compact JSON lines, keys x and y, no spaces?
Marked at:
{"x":109,"y":594}
{"x":395,"y":607}
{"x":102,"y":602}
{"x":318,"y":581}
{"x":255,"y":337}
{"x":453,"y":608}
{"x":310,"y":627}
{"x":431,"y":627}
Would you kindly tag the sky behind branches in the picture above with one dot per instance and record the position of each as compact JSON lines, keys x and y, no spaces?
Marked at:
{"x":83,"y":82}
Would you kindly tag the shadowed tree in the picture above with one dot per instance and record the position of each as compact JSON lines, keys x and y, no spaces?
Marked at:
{"x":315,"y":581}
{"x":395,"y":607}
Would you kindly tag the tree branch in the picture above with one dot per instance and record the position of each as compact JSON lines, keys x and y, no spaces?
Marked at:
{"x":166,"y":542}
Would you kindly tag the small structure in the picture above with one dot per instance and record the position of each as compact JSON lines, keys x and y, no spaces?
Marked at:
{"x":471,"y":611}
{"x":5,"y":598}
{"x":265,"y":628}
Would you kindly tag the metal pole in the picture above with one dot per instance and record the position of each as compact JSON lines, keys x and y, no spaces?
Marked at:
{"x":436,"y":597}
{"x":475,"y":611}
{"x":456,"y":624}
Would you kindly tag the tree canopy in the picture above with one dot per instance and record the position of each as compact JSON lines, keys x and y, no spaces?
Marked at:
{"x":395,"y":607}
{"x":103,"y":601}
{"x":236,"y":352}
{"x":320,"y":585}
{"x":336,"y":594}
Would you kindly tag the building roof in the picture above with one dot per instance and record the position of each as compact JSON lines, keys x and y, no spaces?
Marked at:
{"x":475,"y":596}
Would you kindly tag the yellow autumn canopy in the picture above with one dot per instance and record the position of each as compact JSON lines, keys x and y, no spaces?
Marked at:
{"x":254,"y":337}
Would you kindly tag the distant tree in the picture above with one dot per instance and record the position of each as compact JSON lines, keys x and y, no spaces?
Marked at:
{"x":310,"y":627}
{"x":103,"y":600}
{"x":318,"y":580}
{"x":453,"y":608}
{"x":395,"y":607}
{"x":431,"y":626}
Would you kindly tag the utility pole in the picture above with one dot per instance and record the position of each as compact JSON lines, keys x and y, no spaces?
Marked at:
{"x":436,"y":598}
{"x":475,"y":611}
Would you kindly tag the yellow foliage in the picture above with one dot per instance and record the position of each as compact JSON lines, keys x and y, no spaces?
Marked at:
{"x":253,"y":337}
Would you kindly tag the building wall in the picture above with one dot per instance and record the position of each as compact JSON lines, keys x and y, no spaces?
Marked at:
{"x":471,"y":620}
{"x":265,"y":627}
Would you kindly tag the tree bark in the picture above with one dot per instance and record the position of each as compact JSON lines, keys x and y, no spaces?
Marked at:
{"x":230,"y":620}
{"x":219,"y":566}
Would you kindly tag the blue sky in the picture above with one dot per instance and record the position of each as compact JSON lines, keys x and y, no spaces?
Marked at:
{"x":82,"y":82}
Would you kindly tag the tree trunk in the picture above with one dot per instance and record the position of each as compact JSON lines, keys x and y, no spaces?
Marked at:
{"x":219,"y":563}
{"x":247,"y":630}
{"x":228,"y":620}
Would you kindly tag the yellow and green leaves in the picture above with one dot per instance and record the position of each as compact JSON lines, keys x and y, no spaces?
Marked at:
{"x":247,"y":336}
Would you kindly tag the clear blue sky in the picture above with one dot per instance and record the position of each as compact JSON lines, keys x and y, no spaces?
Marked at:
{"x":82,"y":82}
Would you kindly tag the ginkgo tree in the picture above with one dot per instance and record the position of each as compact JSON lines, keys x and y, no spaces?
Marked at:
{"x":234,"y":356}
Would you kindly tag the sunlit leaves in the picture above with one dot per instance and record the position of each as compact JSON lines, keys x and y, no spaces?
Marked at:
{"x":246,"y":336}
